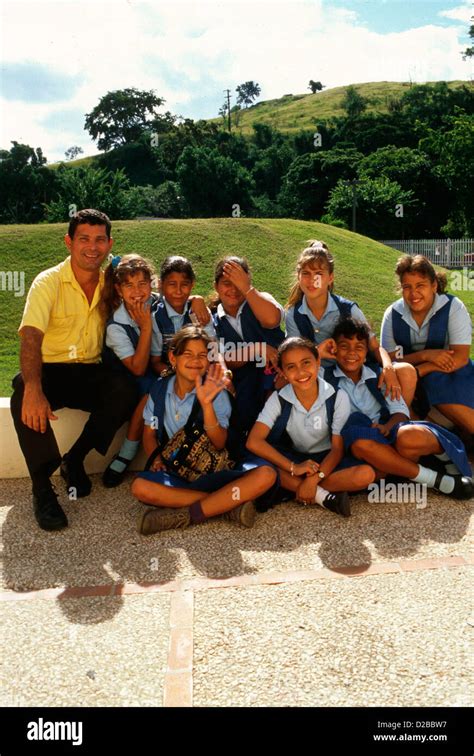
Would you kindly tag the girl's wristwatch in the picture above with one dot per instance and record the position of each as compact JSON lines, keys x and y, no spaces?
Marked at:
{"x":321,"y":475}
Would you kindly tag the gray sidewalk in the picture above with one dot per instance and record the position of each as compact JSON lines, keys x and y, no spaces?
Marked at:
{"x":304,"y":609}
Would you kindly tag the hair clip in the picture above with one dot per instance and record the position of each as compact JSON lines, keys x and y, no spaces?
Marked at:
{"x":115,"y":260}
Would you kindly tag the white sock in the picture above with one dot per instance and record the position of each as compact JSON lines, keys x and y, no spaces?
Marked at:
{"x":321,"y":494}
{"x":427,"y":476}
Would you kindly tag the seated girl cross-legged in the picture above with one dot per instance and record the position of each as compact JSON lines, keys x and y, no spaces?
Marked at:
{"x":379,"y":431}
{"x":311,"y":463}
{"x":181,"y":400}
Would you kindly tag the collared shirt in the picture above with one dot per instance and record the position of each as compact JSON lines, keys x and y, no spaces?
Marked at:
{"x":324,"y":328}
{"x":308,"y":429}
{"x":235,"y":321}
{"x":361,"y":400}
{"x":177,"y":410}
{"x":117,"y":339}
{"x":459,"y":324}
{"x":177,"y":319}
{"x":56,"y":305}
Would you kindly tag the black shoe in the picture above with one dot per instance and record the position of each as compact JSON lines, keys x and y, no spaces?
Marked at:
{"x":48,"y":513}
{"x":338,"y":503}
{"x":463,"y":487}
{"x":112,"y":478}
{"x":76,"y":478}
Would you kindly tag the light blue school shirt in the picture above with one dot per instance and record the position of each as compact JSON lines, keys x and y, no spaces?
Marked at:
{"x":308,"y":429}
{"x":459,"y":324}
{"x":361,"y":400}
{"x":117,"y":339}
{"x":235,"y":321}
{"x":324,"y":328}
{"x":174,"y":405}
{"x":177,"y":320}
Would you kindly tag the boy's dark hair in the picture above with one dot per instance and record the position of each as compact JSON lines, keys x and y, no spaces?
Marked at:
{"x":177,"y":264}
{"x":92,"y":218}
{"x":348,"y":327}
{"x":296,"y":342}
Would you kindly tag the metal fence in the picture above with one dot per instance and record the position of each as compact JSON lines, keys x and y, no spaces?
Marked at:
{"x":450,"y":253}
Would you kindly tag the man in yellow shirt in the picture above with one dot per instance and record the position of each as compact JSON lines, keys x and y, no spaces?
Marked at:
{"x":62,"y":333}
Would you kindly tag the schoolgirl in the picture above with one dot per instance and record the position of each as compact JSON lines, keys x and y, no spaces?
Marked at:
{"x":132,"y":343}
{"x":313,"y":311}
{"x":247,"y":324}
{"x":433,"y":331}
{"x":299,"y":431}
{"x":379,"y":430}
{"x":175,"y":401}
{"x":177,"y":306}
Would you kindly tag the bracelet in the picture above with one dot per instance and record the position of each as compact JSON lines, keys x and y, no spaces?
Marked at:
{"x":292,"y":469}
{"x":252,"y":288}
{"x":211,"y":427}
{"x":417,"y":372}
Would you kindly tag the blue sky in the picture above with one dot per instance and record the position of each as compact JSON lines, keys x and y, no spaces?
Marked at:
{"x":59,"y":58}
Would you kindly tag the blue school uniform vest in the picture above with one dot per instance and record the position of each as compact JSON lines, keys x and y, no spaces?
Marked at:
{"x":439,"y":387}
{"x":304,"y":324}
{"x":251,"y":329}
{"x":371,"y":384}
{"x":248,"y":379}
{"x":437,"y":329}
{"x":279,"y":429}
{"x":165,"y":325}
{"x":109,"y":358}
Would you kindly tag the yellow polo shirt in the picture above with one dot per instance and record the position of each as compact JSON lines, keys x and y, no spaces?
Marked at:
{"x":56,"y":304}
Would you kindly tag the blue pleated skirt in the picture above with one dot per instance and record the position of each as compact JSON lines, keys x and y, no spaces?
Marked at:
{"x":211,"y":481}
{"x":359,"y":426}
{"x":451,"y":388}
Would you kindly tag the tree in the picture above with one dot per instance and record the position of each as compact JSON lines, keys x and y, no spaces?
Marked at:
{"x":213,"y":184}
{"x":353,"y":103}
{"x":315,"y":86}
{"x":121,"y":116}
{"x":73,"y":152}
{"x":452,"y":151}
{"x":88,"y":187}
{"x":25,"y":184}
{"x":377,"y":201}
{"x":247,"y":92}
{"x":310,"y":178}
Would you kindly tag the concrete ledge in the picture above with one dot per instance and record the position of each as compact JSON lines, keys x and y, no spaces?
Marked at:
{"x":67,"y":428}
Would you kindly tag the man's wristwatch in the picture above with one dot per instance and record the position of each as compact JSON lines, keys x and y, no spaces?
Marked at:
{"x":321,"y":475}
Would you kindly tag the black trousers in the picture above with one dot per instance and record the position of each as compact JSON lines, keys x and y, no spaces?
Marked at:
{"x":110,"y":396}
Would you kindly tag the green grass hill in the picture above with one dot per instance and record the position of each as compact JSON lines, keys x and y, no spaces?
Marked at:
{"x":364,"y":268}
{"x":292,"y":113}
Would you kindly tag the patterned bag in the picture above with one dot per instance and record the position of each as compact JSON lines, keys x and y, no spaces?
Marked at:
{"x":190,"y":453}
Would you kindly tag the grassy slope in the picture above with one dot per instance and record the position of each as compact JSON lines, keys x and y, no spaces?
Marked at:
{"x":302,"y":111}
{"x":295,"y":112}
{"x":364,"y":268}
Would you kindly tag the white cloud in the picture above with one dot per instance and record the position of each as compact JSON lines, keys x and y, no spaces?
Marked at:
{"x":460,"y":13}
{"x":186,"y":50}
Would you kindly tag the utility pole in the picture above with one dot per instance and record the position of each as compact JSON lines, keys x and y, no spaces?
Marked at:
{"x":228,"y":109}
{"x":353,"y":183}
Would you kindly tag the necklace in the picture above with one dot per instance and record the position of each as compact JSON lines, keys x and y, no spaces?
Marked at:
{"x":176,"y":410}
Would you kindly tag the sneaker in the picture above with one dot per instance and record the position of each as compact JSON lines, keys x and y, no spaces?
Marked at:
{"x":75,"y":477}
{"x":112,"y":478}
{"x":338,"y":503}
{"x":154,"y":519}
{"x":47,"y":511}
{"x":463,"y":487}
{"x":243,"y":515}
